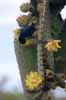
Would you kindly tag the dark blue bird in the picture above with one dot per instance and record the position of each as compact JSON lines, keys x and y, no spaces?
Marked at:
{"x":26,"y":32}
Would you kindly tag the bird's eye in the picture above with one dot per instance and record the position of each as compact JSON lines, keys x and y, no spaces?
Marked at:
{"x":22,"y":41}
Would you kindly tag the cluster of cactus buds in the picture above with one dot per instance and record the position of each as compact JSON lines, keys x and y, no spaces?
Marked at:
{"x":27,"y":23}
{"x":23,"y":20}
{"x":55,"y":79}
{"x":25,"y":7}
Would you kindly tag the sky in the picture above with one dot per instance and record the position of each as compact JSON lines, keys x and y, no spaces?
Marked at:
{"x":9,"y":11}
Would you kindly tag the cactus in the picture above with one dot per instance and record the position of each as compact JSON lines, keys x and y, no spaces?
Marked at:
{"x":36,"y":57}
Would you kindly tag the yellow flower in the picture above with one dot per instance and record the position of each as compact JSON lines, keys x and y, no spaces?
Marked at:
{"x":16,"y":33}
{"x":28,"y":42}
{"x":33,"y":80}
{"x":53,"y":45}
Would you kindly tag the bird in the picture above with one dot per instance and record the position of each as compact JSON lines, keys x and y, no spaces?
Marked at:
{"x":26,"y":33}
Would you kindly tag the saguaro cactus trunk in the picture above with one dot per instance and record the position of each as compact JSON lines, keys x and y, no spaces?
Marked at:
{"x":36,"y":57}
{"x":29,"y":58}
{"x":44,"y":59}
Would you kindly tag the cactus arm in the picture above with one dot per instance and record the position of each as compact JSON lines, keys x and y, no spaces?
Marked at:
{"x":26,"y":58}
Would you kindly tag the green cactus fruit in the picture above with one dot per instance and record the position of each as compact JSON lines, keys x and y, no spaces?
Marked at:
{"x":23,"y":20}
{"x":25,"y":7}
{"x":34,"y":20}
